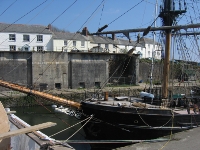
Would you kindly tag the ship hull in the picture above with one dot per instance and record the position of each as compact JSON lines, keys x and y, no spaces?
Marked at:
{"x":120,"y":123}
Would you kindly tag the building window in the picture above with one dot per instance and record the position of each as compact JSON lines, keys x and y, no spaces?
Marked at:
{"x":106,"y":46}
{"x":39,"y":38}
{"x":97,"y":84}
{"x":74,"y":43}
{"x":65,"y":43}
{"x":148,"y":53}
{"x":12,"y":47}
{"x":58,"y":85}
{"x":82,"y":84}
{"x":26,"y":38}
{"x":82,"y":43}
{"x":43,"y":86}
{"x":99,"y":45}
{"x":39,"y":48}
{"x":12,"y":37}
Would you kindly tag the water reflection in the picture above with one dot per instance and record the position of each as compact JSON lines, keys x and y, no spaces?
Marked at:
{"x":38,"y":114}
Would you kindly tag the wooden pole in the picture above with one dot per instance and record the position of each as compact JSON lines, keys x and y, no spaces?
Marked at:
{"x":151,"y":29}
{"x":26,"y":130}
{"x":166,"y":66}
{"x":50,"y":97}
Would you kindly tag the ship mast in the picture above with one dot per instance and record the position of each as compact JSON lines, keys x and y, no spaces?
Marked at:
{"x":153,"y":51}
{"x":168,"y":15}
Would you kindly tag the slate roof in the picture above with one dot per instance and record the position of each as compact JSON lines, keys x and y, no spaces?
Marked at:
{"x":69,"y":36}
{"x":124,"y":42}
{"x":148,"y":41}
{"x":101,"y":40}
{"x":23,"y":28}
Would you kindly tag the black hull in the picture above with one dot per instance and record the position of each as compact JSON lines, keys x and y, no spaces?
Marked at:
{"x":118,"y":123}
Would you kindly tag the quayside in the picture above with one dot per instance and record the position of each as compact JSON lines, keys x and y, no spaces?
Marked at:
{"x":122,"y":118}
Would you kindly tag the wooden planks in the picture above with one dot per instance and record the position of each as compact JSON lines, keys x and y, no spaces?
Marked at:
{"x":26,"y":130}
{"x":4,"y":122}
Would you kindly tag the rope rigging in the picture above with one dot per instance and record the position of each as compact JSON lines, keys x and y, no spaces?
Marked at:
{"x":105,"y":26}
{"x":24,"y":15}
{"x":8,"y":8}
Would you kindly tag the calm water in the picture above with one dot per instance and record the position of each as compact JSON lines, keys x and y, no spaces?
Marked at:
{"x":38,"y":114}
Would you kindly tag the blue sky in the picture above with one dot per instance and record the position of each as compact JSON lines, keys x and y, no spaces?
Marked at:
{"x":118,"y":14}
{"x":75,"y":17}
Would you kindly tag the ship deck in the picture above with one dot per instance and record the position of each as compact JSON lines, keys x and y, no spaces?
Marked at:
{"x":134,"y":102}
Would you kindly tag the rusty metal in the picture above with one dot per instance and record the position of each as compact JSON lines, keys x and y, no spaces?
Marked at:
{"x":50,"y":97}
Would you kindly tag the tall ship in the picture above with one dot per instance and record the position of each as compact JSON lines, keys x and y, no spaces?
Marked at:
{"x":129,"y":119}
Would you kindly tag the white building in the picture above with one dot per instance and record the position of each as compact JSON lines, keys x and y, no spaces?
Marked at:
{"x":19,"y":37}
{"x":150,"y":48}
{"x":67,"y":42}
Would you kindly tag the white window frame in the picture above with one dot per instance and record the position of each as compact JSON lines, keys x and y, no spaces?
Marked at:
{"x":74,"y":43}
{"x":106,"y":46}
{"x":12,"y":47}
{"x":40,"y":48}
{"x":148,"y":53}
{"x":39,"y":38}
{"x":12,"y":37}
{"x":82,"y":43}
{"x":65,"y":43}
{"x":26,"y":38}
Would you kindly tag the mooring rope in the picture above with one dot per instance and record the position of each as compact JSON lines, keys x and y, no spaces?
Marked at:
{"x":151,"y":126}
{"x":170,"y":134}
{"x":79,"y":129}
{"x":70,"y":127}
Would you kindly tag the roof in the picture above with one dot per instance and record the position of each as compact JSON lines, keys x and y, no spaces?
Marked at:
{"x":101,"y":40}
{"x":148,"y":41}
{"x":69,"y":36}
{"x":127,"y":43}
{"x":23,"y":28}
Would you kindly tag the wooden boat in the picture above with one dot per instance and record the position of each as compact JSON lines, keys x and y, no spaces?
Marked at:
{"x":131,"y":118}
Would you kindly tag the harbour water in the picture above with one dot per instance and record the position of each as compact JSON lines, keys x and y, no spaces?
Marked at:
{"x":40,"y":114}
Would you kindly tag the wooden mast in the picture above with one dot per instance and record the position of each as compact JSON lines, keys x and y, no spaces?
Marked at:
{"x":168,"y":15}
{"x":166,"y":66}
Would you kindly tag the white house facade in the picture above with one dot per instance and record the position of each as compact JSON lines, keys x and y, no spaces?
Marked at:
{"x":18,"y":37}
{"x":150,"y":49}
{"x":67,"y":42}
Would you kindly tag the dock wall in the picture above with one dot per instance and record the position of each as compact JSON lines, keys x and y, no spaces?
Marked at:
{"x":61,"y":70}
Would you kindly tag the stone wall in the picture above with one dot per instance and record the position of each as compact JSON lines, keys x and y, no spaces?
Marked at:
{"x":14,"y":67}
{"x":50,"y":70}
{"x":61,"y":70}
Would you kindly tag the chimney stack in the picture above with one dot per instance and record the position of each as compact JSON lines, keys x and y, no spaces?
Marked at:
{"x":85,"y":31}
{"x":49,"y":27}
